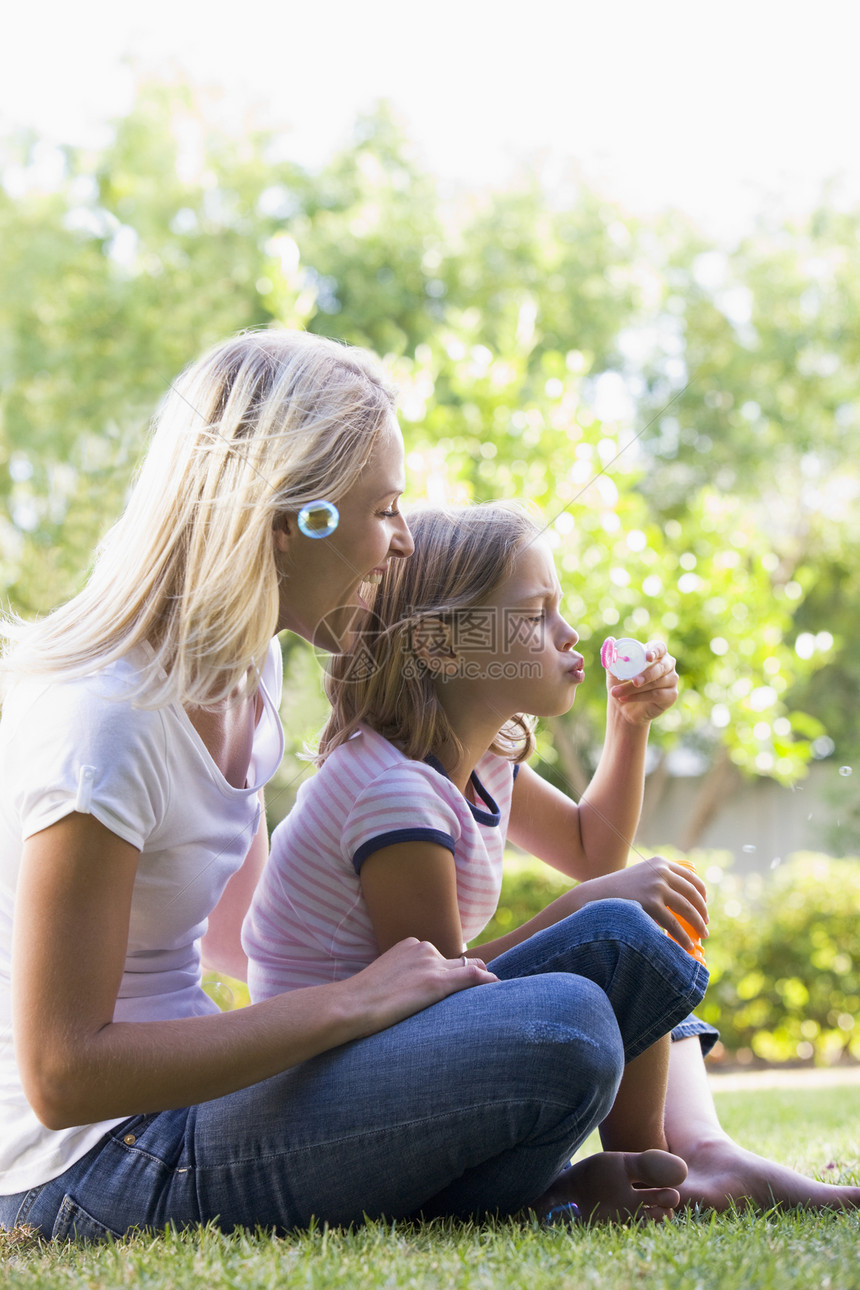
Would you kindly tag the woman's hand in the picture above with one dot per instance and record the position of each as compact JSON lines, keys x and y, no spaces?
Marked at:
{"x":662,"y":888}
{"x":650,"y":693}
{"x":409,"y":977}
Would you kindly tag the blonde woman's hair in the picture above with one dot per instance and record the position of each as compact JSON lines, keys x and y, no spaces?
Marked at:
{"x":257,"y":427}
{"x":461,"y":556}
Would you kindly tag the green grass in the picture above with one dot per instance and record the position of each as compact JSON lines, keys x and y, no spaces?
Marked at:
{"x":808,"y":1129}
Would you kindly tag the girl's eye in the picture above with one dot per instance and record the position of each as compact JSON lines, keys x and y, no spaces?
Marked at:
{"x":390,"y":513}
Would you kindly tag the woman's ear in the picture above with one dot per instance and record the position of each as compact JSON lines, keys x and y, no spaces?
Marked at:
{"x":282,"y":534}
{"x":432,"y":643}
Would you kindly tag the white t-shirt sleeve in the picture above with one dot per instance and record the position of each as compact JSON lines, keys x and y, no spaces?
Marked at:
{"x":76,"y":748}
{"x":272,"y":675}
{"x":403,"y":805}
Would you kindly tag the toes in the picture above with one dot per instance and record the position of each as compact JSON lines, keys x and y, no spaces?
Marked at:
{"x":656,"y":1168}
{"x":656,"y":1214}
{"x":658,"y":1197}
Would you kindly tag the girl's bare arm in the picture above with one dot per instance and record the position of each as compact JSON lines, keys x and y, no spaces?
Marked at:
{"x":594,"y":836}
{"x":411,"y":890}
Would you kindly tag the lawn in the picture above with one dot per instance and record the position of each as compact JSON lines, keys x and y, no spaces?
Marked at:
{"x":811,"y":1129}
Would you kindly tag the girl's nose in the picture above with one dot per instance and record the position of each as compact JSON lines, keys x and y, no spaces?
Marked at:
{"x":569,"y":637}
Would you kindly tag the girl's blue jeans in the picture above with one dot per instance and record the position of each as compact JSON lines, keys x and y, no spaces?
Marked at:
{"x":474,"y":1105}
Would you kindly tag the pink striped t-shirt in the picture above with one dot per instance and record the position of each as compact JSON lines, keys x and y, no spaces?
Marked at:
{"x":308,"y":923}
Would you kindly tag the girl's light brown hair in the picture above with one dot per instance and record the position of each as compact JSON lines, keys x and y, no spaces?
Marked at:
{"x":461,"y":556}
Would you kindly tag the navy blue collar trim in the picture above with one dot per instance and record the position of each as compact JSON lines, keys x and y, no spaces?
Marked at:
{"x":492,"y":815}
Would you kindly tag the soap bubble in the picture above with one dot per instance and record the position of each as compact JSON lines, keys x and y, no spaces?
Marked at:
{"x":845,"y":770}
{"x":318,"y":519}
{"x":749,"y":847}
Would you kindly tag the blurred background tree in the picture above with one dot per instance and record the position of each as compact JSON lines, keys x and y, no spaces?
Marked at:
{"x":682,"y":415}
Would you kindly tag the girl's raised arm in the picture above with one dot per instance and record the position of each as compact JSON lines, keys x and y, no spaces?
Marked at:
{"x":594,"y":837}
{"x":552,"y":825}
{"x":78,"y":1065}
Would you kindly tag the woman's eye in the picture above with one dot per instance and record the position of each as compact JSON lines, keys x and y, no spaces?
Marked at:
{"x":390,"y":513}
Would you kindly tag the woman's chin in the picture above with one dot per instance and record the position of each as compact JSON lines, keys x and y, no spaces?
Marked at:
{"x":335,"y":632}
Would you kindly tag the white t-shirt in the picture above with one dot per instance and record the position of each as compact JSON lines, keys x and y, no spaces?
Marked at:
{"x":308,"y":923}
{"x":82,"y":745}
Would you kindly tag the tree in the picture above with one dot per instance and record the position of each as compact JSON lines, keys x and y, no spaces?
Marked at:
{"x":502,"y":317}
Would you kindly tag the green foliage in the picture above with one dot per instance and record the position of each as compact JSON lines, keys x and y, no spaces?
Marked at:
{"x":785,"y":972}
{"x":481,"y":424}
{"x":769,"y":341}
{"x":720,"y":519}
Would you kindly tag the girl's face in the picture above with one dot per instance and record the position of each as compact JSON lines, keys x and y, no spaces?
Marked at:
{"x":320,"y":580}
{"x":528,"y":663}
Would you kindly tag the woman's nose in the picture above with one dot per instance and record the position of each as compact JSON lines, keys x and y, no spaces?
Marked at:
{"x":401,"y":541}
{"x":569,"y":636}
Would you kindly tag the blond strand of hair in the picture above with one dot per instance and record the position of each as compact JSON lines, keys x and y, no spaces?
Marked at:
{"x":256,"y":428}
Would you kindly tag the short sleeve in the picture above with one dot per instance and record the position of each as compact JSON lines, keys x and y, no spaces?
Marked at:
{"x":268,"y":749}
{"x":272,"y":675}
{"x":403,"y":805}
{"x":75,"y":746}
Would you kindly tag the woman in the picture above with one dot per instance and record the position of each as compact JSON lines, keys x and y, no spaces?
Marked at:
{"x":135,"y":741}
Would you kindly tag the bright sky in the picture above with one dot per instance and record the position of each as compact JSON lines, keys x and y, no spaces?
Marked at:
{"x":711,"y":107}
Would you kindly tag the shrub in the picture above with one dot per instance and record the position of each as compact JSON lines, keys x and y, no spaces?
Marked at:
{"x":784,"y":952}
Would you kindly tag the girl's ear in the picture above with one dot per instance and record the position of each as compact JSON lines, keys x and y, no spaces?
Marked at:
{"x":432,"y":643}
{"x":282,"y":533}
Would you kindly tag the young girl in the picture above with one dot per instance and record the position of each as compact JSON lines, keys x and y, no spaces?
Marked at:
{"x":423,"y":777}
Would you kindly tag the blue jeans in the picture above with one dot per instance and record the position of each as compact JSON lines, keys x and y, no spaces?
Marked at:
{"x":474,"y":1105}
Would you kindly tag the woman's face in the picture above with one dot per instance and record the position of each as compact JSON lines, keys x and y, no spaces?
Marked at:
{"x":320,"y":577}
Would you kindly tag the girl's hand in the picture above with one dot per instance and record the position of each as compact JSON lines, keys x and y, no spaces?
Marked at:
{"x":409,"y":977}
{"x":661,"y":888}
{"x":650,"y":693}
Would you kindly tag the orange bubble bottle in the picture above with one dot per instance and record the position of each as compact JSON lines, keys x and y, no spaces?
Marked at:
{"x":697,"y":951}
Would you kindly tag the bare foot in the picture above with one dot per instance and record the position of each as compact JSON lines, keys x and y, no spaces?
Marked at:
{"x":617,"y":1186}
{"x":722,"y":1174}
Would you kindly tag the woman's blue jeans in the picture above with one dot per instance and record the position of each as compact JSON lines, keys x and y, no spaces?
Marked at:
{"x":474,"y":1105}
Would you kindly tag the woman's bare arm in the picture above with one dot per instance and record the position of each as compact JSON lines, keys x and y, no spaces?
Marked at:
{"x":78,"y":1065}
